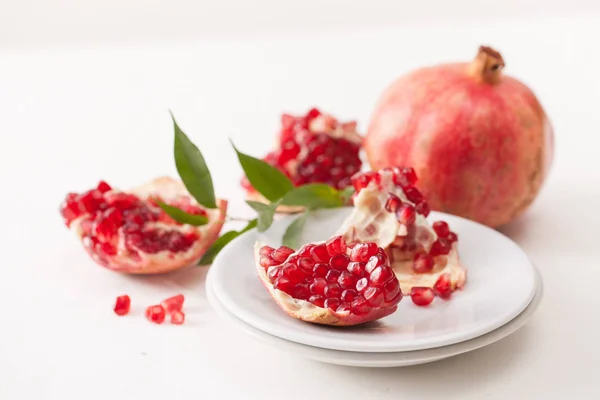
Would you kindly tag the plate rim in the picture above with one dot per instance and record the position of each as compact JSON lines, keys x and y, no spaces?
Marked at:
{"x":378,"y":359}
{"x":273,"y":330}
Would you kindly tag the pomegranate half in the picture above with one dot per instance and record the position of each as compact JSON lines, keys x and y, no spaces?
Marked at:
{"x":313,"y":148}
{"x":479,"y":140}
{"x":127,"y":231}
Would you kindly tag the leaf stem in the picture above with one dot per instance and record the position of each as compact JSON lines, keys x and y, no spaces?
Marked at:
{"x":237,"y":219}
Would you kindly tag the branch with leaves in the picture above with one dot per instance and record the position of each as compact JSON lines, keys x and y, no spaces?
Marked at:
{"x":270,"y":182}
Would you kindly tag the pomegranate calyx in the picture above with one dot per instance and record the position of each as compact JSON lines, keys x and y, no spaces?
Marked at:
{"x":488,"y":65}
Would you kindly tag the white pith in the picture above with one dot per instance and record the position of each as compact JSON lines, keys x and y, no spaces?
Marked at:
{"x":168,"y":189}
{"x":369,"y":209}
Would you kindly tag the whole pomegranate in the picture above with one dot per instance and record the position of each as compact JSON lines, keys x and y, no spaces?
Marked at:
{"x":479,"y":141}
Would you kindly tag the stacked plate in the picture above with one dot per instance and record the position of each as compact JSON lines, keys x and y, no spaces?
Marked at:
{"x":503,"y":291}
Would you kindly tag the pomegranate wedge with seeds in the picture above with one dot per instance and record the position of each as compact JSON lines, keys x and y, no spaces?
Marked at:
{"x":391,"y":212}
{"x":330,"y":283}
{"x":128,"y":232}
{"x":314,"y":148}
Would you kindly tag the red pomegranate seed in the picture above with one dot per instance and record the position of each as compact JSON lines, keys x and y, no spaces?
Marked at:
{"x":174,"y":303}
{"x":312,"y":114}
{"x":348,"y":295}
{"x":440,"y":247}
{"x":374,"y":296}
{"x":360,"y":306}
{"x":347,"y":280}
{"x":332,"y":303}
{"x":332,"y":275}
{"x":333,"y":290}
{"x":177,"y":318}
{"x":443,"y":287}
{"x":381,"y":275}
{"x":292,"y":272}
{"x":266,"y":251}
{"x":319,"y":253}
{"x":413,"y":194}
{"x":284,"y":284}
{"x":267,"y":262}
{"x":273,"y":273}
{"x":339,"y":261}
{"x":361,"y":284}
{"x":69,"y":209}
{"x":392,"y":203}
{"x":91,"y":201}
{"x":423,"y":263}
{"x":405,"y":177}
{"x":441,"y":228}
{"x":406,"y":214}
{"x":317,"y":300}
{"x":422,"y":296}
{"x":318,"y":286}
{"x":103,"y":187}
{"x":281,"y":254}
{"x":122,"y":305}
{"x":336,"y":245}
{"x":375,"y":261}
{"x":357,"y":269}
{"x":320,"y":270}
{"x":452,"y":237}
{"x":390,"y":290}
{"x":155,"y":314}
{"x":363,"y":251}
{"x":423,"y":208}
{"x":305,"y":265}
{"x":107,"y":225}
{"x":301,"y":292}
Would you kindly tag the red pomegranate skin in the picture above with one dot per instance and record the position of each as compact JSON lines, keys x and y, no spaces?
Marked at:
{"x":481,"y":149}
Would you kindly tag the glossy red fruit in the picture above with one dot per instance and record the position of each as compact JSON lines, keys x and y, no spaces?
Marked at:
{"x":441,"y":228}
{"x":122,"y":305}
{"x":156,"y":314}
{"x":174,"y":303}
{"x":480,"y":141}
{"x":422,"y":296}
{"x":406,"y":214}
{"x":440,"y":247}
{"x":423,"y":263}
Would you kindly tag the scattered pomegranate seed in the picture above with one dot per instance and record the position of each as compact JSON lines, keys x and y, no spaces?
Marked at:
{"x":413,"y":194}
{"x":422,"y":296}
{"x":177,"y":317}
{"x":405,"y":177}
{"x":452,"y":237}
{"x":122,"y":305}
{"x":392,"y":203}
{"x":155,"y":314}
{"x":423,"y":263}
{"x":441,"y":228}
{"x":174,"y":303}
{"x":443,"y":287}
{"x":406,"y":214}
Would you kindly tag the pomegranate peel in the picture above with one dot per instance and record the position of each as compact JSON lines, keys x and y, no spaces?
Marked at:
{"x":348,"y":311}
{"x":127,"y":232}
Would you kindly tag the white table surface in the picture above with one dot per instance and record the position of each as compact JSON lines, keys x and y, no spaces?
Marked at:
{"x":70,"y":116}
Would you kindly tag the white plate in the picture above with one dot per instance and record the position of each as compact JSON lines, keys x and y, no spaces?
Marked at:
{"x":500,"y":284}
{"x":380,"y":360}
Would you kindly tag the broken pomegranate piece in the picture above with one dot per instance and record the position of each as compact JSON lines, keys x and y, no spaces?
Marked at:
{"x":174,"y":303}
{"x":391,"y":212}
{"x":330,"y":283}
{"x":128,"y":232}
{"x":177,"y":317}
{"x":314,"y":148}
{"x":156,"y":314}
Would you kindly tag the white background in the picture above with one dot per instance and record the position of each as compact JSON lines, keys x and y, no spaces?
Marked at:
{"x":85,"y":89}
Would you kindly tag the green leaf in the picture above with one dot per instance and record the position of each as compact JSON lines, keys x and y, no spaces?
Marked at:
{"x":291,"y":237}
{"x":223,"y":241}
{"x":265,"y":213}
{"x":266,"y":179}
{"x":315,"y":195}
{"x":181,"y":216}
{"x":347,"y":193}
{"x":192,"y":169}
